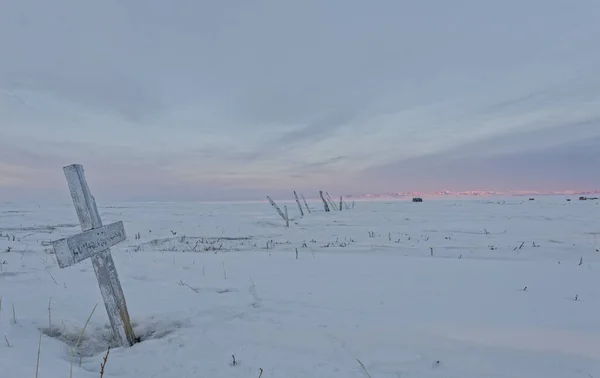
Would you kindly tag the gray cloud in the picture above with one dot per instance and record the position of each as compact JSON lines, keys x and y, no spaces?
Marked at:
{"x":76,"y":52}
{"x":272,"y":94}
{"x":284,"y":62}
{"x":530,"y":160}
{"x":324,"y":162}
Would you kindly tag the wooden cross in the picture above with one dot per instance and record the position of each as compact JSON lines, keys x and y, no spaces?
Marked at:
{"x":94,"y":243}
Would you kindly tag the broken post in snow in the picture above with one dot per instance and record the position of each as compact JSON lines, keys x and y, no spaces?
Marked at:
{"x":277,"y":208}
{"x":324,"y":202}
{"x":298,"y":202}
{"x":305,"y":204}
{"x":94,"y":243}
{"x":346,"y":206}
{"x":287,"y":219}
{"x":341,"y":203}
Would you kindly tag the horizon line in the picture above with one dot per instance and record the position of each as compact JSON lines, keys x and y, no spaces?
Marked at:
{"x":362,"y":197}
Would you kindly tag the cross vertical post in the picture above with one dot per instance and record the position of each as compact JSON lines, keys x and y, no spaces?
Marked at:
{"x":104,"y":266}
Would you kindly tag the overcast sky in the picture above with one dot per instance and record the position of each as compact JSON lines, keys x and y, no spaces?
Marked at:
{"x":192,"y":99}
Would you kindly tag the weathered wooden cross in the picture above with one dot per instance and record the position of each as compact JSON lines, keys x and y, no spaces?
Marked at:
{"x":94,"y":243}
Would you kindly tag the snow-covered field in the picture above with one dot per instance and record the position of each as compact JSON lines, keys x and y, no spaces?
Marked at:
{"x":466,"y":288}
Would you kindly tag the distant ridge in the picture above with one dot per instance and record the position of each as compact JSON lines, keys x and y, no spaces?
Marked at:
{"x":472,"y":193}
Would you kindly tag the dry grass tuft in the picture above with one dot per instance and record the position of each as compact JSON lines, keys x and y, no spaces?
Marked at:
{"x":104,"y":361}
{"x":79,"y":339}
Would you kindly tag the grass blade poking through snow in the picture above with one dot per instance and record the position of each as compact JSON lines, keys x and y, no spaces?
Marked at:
{"x":37,"y":365}
{"x":364,"y":368}
{"x":79,"y":339}
{"x":224,"y":271}
{"x":104,"y":361}
{"x":50,"y":316}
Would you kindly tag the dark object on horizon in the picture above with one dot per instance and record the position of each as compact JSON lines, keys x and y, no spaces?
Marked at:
{"x":532,"y":199}
{"x":588,"y":198}
{"x":568,"y":200}
{"x":417,"y":199}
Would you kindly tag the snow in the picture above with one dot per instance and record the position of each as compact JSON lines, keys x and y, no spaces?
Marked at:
{"x":365,"y":286}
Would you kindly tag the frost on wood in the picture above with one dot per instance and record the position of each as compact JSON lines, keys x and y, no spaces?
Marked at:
{"x":95,"y":242}
{"x":80,"y":247}
{"x":298,"y":202}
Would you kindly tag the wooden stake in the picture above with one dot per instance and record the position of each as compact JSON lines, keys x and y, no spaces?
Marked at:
{"x":305,"y":204}
{"x":324,"y":202}
{"x":277,"y":208}
{"x":287,"y":219}
{"x":330,"y":200}
{"x":299,"y":206}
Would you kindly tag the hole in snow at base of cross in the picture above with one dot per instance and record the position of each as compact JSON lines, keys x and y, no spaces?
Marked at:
{"x":95,"y":340}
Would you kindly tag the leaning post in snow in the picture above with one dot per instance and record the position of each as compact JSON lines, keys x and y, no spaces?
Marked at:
{"x":298,"y":202}
{"x":324,"y":202}
{"x":330,"y":200}
{"x":341,"y":203}
{"x":287,"y":219}
{"x":305,"y":204}
{"x":94,"y":242}
{"x":277,"y":208}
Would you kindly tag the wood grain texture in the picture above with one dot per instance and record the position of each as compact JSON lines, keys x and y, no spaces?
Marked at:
{"x":82,"y":246}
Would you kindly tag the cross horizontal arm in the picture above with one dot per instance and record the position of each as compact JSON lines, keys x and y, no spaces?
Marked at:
{"x":79,"y":247}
